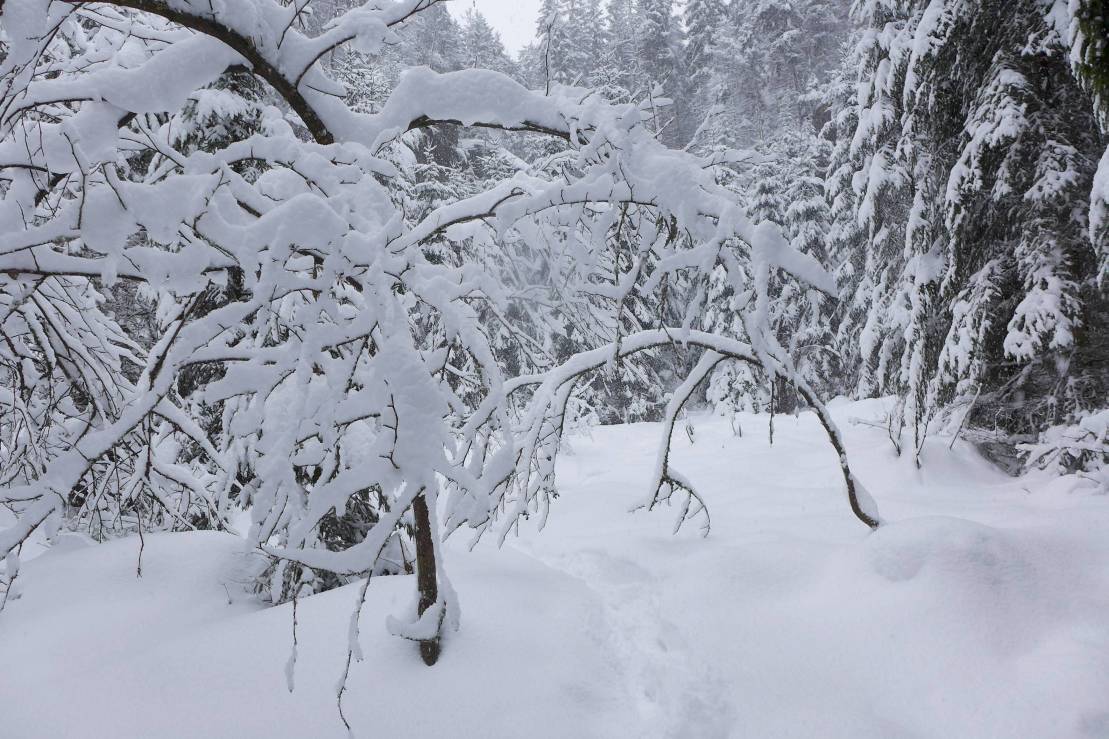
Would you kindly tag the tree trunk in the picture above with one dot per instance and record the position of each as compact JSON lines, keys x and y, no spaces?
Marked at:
{"x":785,"y":397}
{"x":425,"y":573}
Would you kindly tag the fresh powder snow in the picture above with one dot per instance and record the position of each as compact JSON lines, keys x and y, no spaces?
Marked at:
{"x":977,"y":609}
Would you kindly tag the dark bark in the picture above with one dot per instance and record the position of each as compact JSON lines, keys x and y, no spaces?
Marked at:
{"x":425,"y":573}
{"x":260,"y":65}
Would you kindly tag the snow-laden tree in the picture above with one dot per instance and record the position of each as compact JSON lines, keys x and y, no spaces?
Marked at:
{"x":970,"y":170}
{"x":481,"y":45}
{"x":734,"y":388}
{"x":360,"y":351}
{"x":786,"y":187}
{"x":586,"y":29}
{"x":804,"y":317}
{"x":762,"y":69}
{"x":618,"y":75}
{"x":659,"y":42}
{"x":1084,"y":25}
{"x":553,"y":44}
{"x":704,"y":23}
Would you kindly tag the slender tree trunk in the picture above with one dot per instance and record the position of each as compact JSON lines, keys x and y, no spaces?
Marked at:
{"x":425,"y":573}
{"x":773,"y":399}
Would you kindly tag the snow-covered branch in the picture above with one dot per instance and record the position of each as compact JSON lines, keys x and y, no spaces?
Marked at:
{"x":312,"y":348}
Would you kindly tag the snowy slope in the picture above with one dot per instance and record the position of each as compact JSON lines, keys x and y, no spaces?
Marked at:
{"x":979,"y":610}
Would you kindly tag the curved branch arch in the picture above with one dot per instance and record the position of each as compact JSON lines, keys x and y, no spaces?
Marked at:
{"x":862,"y":506}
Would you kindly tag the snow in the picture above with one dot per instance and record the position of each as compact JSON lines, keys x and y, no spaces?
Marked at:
{"x":978,"y":609}
{"x":354,"y":355}
{"x":471,"y":95}
{"x":172,"y":658}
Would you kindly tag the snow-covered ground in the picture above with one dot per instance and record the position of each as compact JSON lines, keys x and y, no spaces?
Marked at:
{"x":981,"y":609}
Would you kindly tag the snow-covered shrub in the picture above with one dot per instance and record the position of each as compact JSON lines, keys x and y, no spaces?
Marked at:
{"x":1081,"y":447}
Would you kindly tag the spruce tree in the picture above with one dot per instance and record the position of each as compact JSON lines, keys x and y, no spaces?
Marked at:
{"x":972,"y":163}
{"x":658,"y":55}
{"x":704,"y":23}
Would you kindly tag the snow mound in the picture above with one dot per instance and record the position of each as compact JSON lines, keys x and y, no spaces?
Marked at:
{"x":950,"y":550}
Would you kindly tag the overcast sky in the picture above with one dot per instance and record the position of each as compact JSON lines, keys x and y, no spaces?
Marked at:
{"x":513,"y":19}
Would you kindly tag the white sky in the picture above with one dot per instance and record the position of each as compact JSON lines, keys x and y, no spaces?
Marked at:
{"x":513,"y":19}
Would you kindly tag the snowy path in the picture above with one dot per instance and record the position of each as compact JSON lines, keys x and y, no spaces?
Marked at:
{"x":977,"y":611}
{"x":672,"y":692}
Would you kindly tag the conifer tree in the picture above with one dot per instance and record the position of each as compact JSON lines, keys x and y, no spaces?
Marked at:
{"x":658,"y":44}
{"x":973,"y":159}
{"x":553,"y":44}
{"x":620,"y":78}
{"x":704,"y":25}
{"x":481,"y":45}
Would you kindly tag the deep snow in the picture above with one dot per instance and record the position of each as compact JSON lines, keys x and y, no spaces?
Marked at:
{"x":980,"y":609}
